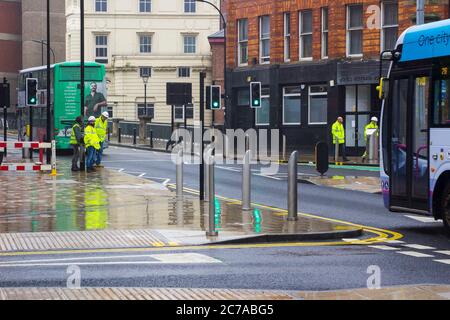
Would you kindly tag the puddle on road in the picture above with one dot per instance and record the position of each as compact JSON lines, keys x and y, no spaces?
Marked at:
{"x":110,"y":200}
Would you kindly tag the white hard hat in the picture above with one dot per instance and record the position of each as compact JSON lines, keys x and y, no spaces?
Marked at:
{"x":105,"y":114}
{"x":374,"y":119}
{"x":91,"y":119}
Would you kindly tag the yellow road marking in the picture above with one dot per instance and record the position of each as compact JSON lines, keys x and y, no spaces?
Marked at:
{"x":382,"y":234}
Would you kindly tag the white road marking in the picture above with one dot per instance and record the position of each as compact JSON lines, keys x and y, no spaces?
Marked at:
{"x":447,"y":253}
{"x":444,"y":261}
{"x":395,"y":242}
{"x":418,"y":247}
{"x":422,"y":219}
{"x":179,"y":258}
{"x":166,"y":182}
{"x":229,"y":169}
{"x":386,"y":248}
{"x":350,"y":240}
{"x":415,"y":254}
{"x":121,"y":170}
{"x":141,"y":175}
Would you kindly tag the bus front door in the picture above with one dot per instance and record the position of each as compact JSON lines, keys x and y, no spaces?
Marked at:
{"x":409,"y":144}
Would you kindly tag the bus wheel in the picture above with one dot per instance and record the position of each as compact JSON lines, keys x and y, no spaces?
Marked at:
{"x":445,"y":208}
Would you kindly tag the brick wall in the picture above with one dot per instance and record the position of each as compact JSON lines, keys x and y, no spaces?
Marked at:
{"x":217,"y":75}
{"x":251,"y":9}
{"x":10,"y":37}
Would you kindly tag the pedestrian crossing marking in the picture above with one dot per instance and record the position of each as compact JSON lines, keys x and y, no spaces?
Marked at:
{"x":386,"y":248}
{"x":415,"y":254}
{"x":418,"y":247}
{"x":422,"y":219}
{"x":446,"y":261}
{"x":447,"y":253}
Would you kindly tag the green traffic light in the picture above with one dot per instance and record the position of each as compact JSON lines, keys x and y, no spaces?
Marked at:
{"x":256,"y":102}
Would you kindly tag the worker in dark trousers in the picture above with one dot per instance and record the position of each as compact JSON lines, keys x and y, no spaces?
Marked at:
{"x":76,"y":141}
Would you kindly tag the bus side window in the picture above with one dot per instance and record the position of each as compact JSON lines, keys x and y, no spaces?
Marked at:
{"x":441,"y":112}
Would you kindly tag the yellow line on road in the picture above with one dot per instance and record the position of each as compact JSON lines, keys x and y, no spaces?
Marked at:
{"x":382,"y":235}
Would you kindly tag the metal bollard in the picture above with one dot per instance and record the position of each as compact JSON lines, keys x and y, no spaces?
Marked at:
{"x":180,"y":174}
{"x":336,"y":153}
{"x":208,"y":153}
{"x":151,"y":139}
{"x":293,"y":187}
{"x":212,"y":232}
{"x":53,"y":161}
{"x":134,"y":136}
{"x":246,"y":182}
{"x":373,"y":146}
{"x":119,"y":138}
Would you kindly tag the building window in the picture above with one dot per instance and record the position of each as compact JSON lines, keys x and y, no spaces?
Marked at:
{"x":358,"y":98}
{"x":354,"y":30}
{"x":287,"y":37}
{"x":145,"y":72}
{"x":292,"y":105}
{"x":264,"y":39}
{"x":306,"y":24}
{"x":190,"y":44}
{"x":145,"y":6}
{"x":145,"y":44}
{"x":318,"y":105}
{"x":101,"y":48}
{"x":263,"y":113}
{"x":389,"y":32}
{"x":189,"y":6}
{"x":101,"y":5}
{"x":184,"y":72}
{"x":243,"y":42}
{"x":146,"y":111}
{"x":189,"y":111}
{"x":324,"y":33}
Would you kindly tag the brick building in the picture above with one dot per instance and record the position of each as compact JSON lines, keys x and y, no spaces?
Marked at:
{"x":10,"y":44}
{"x":316,"y":60}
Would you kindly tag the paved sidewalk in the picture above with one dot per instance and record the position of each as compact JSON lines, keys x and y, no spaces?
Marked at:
{"x":353,"y":183}
{"x":420,"y":292}
{"x":110,"y":209}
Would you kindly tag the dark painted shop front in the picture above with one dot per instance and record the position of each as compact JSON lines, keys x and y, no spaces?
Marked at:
{"x":304,"y":100}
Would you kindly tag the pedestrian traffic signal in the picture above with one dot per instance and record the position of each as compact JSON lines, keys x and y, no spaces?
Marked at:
{"x":216,"y":98}
{"x":255,"y":94}
{"x":31,"y":91}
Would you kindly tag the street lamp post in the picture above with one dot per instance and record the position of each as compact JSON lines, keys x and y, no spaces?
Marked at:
{"x":44,"y":43}
{"x":145,"y":78}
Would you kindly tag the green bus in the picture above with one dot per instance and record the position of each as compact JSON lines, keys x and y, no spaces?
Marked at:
{"x":65,"y":91}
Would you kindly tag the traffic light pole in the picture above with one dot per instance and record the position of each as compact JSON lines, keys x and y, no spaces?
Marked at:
{"x":202,"y":128}
{"x":82,"y":157}
{"x":49,"y":135}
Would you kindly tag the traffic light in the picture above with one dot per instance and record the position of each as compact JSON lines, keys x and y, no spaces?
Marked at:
{"x":216,"y":98}
{"x":255,"y":94}
{"x":31,"y":91}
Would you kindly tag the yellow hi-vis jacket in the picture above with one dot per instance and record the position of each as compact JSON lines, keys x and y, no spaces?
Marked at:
{"x":371,"y":125}
{"x":101,"y":127}
{"x":338,"y":132}
{"x":91,"y":138}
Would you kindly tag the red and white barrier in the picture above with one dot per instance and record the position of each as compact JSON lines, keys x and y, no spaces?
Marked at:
{"x":25,"y":145}
{"x":26,"y":167}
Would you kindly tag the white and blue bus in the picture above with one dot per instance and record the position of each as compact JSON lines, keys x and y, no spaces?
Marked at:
{"x":415,"y":136}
